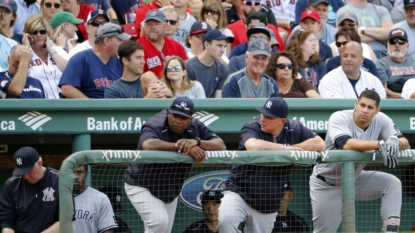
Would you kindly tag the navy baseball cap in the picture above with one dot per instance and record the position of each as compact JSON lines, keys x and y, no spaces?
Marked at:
{"x":156,"y":15}
{"x":199,"y":27}
{"x":212,"y":195}
{"x":93,"y":14}
{"x":408,"y":3}
{"x":287,"y":185}
{"x":217,"y":35}
{"x":25,"y":159}
{"x":259,"y":29}
{"x":259,"y":47}
{"x":398,"y":33}
{"x":275,"y":107}
{"x":9,"y":4}
{"x":115,"y":196}
{"x":182,"y":106}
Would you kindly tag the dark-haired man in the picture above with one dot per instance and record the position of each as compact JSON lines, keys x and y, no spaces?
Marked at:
{"x":363,"y":128}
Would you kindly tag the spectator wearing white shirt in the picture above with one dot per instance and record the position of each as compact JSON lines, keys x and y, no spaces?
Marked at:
{"x":408,"y":90}
{"x":64,"y":26}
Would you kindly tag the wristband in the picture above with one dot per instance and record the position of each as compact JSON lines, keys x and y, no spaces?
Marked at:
{"x":380,"y":143}
{"x":198,"y":141}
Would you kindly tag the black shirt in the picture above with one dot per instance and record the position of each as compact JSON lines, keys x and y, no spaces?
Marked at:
{"x":164,"y":180}
{"x":29,"y":208}
{"x":232,"y":15}
{"x":290,"y":223}
{"x":261,"y":187}
{"x":198,"y":227}
{"x":122,"y":226}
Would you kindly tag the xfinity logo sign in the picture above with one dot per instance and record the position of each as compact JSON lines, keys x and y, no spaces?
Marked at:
{"x":109,"y":155}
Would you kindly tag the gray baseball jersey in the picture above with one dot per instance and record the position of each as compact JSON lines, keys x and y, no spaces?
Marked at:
{"x":93,"y":212}
{"x":341,"y":123}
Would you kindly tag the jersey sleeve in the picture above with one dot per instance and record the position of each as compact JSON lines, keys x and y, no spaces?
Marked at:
{"x":231,"y":89}
{"x":328,"y":88}
{"x":106,"y":217}
{"x":305,"y":133}
{"x":7,"y":207}
{"x":181,"y":52}
{"x":249,"y":131}
{"x":384,"y":14}
{"x":147,"y":132}
{"x":73,"y":72}
{"x":389,"y":128}
{"x":106,"y":5}
{"x":205,"y":133}
{"x":275,"y":87}
{"x":338,"y":127}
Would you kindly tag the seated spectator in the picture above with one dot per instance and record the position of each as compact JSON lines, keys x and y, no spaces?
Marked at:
{"x":342,"y":37}
{"x":91,"y":71}
{"x":334,"y":5}
{"x":158,"y":48}
{"x":25,"y":9}
{"x":206,"y":67}
{"x":185,"y":19}
{"x":15,"y":83}
{"x":143,"y":10}
{"x":348,"y":81}
{"x":175,"y":78}
{"x":303,"y":46}
{"x":252,"y":82}
{"x":214,"y":14}
{"x":408,"y":25}
{"x":47,"y":64}
{"x":125,"y":9}
{"x":236,"y":11}
{"x":6,"y":45}
{"x":105,"y":6}
{"x":80,"y":11}
{"x":194,"y":40}
{"x":92,"y":209}
{"x":133,"y":83}
{"x":96,"y":19}
{"x":396,"y":69}
{"x":211,"y":200}
{"x":348,"y":20}
{"x":284,"y":14}
{"x":48,"y":8}
{"x":8,"y":15}
{"x":172,"y":24}
{"x":284,"y":69}
{"x":408,"y":90}
{"x":63,"y":29}
{"x":286,"y":220}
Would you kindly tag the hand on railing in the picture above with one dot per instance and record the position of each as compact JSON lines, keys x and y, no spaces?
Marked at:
{"x":390,"y":150}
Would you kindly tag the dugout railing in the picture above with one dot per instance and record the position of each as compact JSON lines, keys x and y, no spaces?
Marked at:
{"x":277,"y":158}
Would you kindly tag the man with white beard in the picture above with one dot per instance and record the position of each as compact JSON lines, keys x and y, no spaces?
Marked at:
{"x":396,"y":69}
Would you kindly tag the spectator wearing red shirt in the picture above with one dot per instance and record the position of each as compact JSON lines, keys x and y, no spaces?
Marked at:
{"x":80,"y":11}
{"x":158,"y":48}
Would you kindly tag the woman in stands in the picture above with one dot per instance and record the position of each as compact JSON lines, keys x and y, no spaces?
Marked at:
{"x":304,"y":46}
{"x":46,"y":65}
{"x":8,"y":16}
{"x":48,"y":8}
{"x":175,"y":78}
{"x":64,"y":26}
{"x":284,"y":69}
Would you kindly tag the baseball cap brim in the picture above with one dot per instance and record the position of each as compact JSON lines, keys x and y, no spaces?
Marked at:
{"x":76,"y":21}
{"x":260,"y":52}
{"x":265,"y":112}
{"x":224,"y":37}
{"x":20,"y":171}
{"x":198,"y":32}
{"x":310,"y":16}
{"x":6,"y":6}
{"x":103,"y":15}
{"x":154,"y":18}
{"x":123,"y":36}
{"x":401,"y":37}
{"x":180,"y":113}
{"x":258,"y":30}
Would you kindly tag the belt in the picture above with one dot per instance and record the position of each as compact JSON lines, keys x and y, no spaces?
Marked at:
{"x":322,"y":178}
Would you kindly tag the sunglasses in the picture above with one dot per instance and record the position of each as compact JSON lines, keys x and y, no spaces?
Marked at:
{"x":284,"y":65}
{"x":55,"y":5}
{"x":171,"y":21}
{"x":175,"y":68}
{"x":179,"y":108}
{"x":42,"y":32}
{"x":340,"y":44}
{"x":394,"y":41}
{"x":96,"y":23}
{"x":347,"y":24}
{"x":211,"y":11}
{"x":251,"y":3}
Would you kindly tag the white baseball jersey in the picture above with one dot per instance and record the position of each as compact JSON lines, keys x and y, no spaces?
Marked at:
{"x":341,"y":123}
{"x":282,"y":9}
{"x":93,"y":212}
{"x":408,"y":88}
{"x":335,"y":84}
{"x":47,"y":73}
{"x":78,"y":48}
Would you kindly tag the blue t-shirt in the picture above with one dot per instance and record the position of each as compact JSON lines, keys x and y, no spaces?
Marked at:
{"x":367,"y":65}
{"x":262,"y":187}
{"x":334,"y":5}
{"x":89,"y":74}
{"x":164,"y":180}
{"x":237,"y":63}
{"x":122,"y":7}
{"x":313,"y":73}
{"x":33,"y":89}
{"x":98,"y":4}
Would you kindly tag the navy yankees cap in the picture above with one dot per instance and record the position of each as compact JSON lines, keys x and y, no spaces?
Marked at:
{"x":199,"y":27}
{"x":115,"y":196}
{"x":25,"y":159}
{"x":217,"y":35}
{"x":287,"y":185}
{"x":275,"y":107}
{"x":398,"y":33}
{"x":156,"y":15}
{"x":212,"y":195}
{"x":182,"y":106}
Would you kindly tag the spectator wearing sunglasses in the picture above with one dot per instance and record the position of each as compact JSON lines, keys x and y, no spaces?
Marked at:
{"x":96,"y":19}
{"x":284,"y":69}
{"x":64,"y":27}
{"x":25,"y":9}
{"x":8,"y":15}
{"x":80,"y":11}
{"x":172,"y":22}
{"x":348,"y":81}
{"x":396,"y":68}
{"x":48,"y":8}
{"x":408,"y":25}
{"x":103,"y":5}
{"x":185,"y":20}
{"x":252,"y":82}
{"x":91,"y":71}
{"x":175,"y":78}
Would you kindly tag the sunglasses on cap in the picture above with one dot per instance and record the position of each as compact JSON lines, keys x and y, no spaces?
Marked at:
{"x":211,"y":11}
{"x":175,"y":68}
{"x":284,"y":65}
{"x":178,"y":108}
{"x":42,"y":32}
{"x":252,"y":3}
{"x":171,"y":21}
{"x":399,"y":41}
{"x":340,"y":44}
{"x":97,"y":23}
{"x":55,"y":5}
{"x":348,"y":24}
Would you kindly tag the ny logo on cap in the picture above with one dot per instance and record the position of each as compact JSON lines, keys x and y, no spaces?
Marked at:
{"x":204,"y":25}
{"x":183,"y":105}
{"x":118,"y":198}
{"x":268,"y":105}
{"x":153,"y":13}
{"x":398,"y":32}
{"x":212,"y":193}
{"x":19,"y":161}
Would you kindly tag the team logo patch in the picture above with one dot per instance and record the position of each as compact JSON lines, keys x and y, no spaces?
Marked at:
{"x":118,"y":198}
{"x":261,"y":45}
{"x":153,"y":13}
{"x":19,"y":162}
{"x":204,"y":25}
{"x":398,"y":32}
{"x":309,"y":12}
{"x":346,"y":13}
{"x":100,"y":11}
{"x":6,"y":1}
{"x":212,"y":193}
{"x":48,"y":194}
{"x":3,"y":83}
{"x":183,"y":105}
{"x":269,"y":104}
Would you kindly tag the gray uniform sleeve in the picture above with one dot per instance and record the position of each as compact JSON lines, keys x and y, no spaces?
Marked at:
{"x":339,"y":125}
{"x":106,"y":216}
{"x":389,"y":128}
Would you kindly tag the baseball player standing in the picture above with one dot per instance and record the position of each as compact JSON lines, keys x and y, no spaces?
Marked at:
{"x":253,"y":192}
{"x":363,"y":129}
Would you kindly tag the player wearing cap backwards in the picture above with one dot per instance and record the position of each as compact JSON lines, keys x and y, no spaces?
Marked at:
{"x":153,"y":188}
{"x":29,"y":200}
{"x":253,"y":192}
{"x":362,"y":129}
{"x":211,"y":200}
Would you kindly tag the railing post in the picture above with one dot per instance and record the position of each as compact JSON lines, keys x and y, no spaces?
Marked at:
{"x":82,"y":142}
{"x":348,"y":199}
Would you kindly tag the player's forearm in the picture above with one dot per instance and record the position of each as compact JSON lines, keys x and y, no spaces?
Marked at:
{"x":19,"y":81}
{"x":7,"y":230}
{"x":284,"y":24}
{"x":379,"y":34}
{"x":218,"y":94}
{"x":157,"y":144}
{"x":72,"y":92}
{"x":404,"y":144}
{"x":52,"y":229}
{"x":391,"y":93}
{"x":312,"y":144}
{"x":360,"y":145}
{"x":213,"y":144}
{"x":60,"y":61}
{"x":259,"y":144}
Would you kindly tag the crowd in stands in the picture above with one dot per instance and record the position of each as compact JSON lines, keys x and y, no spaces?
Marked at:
{"x":206,"y":49}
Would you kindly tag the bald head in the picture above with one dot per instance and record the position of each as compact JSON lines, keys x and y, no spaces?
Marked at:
{"x":351,"y":59}
{"x":354,"y":46}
